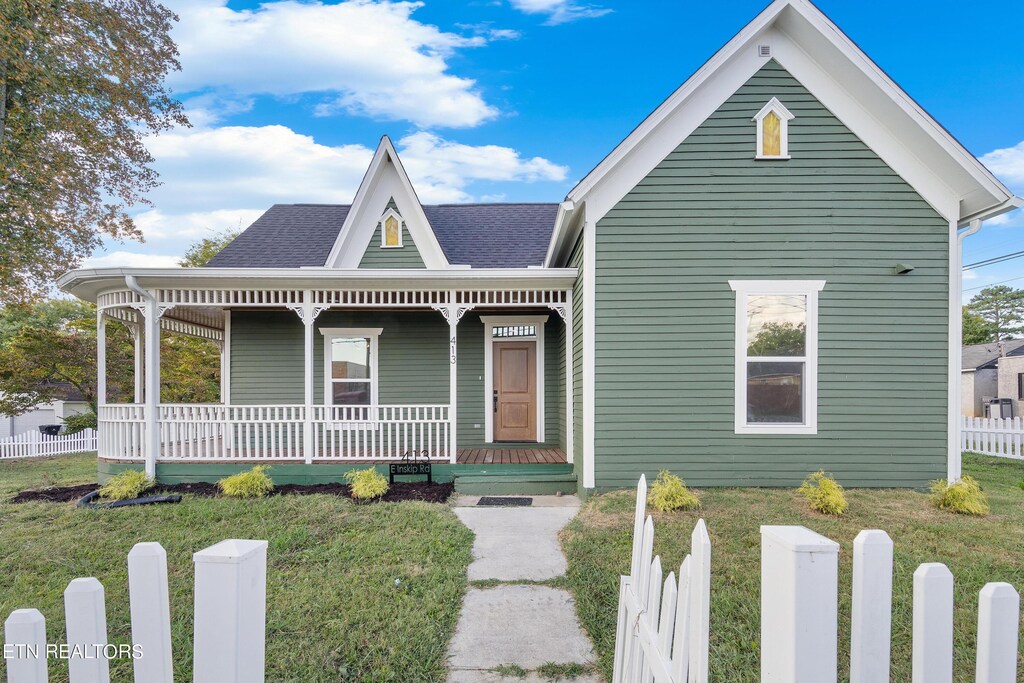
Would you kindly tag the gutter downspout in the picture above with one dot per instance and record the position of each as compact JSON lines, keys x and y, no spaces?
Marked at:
{"x":954,"y":466}
{"x":152,"y":365}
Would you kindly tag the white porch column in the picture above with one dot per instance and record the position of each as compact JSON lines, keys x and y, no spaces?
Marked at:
{"x":101,"y":360}
{"x":138,"y":336}
{"x":225,"y":361}
{"x":308,"y":313}
{"x":152,"y":391}
{"x":453,"y":314}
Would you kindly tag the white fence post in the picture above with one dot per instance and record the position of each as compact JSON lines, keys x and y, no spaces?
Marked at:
{"x":799,"y":605}
{"x":871,"y":628}
{"x":230,"y":612}
{"x":151,"y":613}
{"x":681,"y":647}
{"x":87,"y":631}
{"x":998,"y":632}
{"x":933,"y":624}
{"x":700,"y":602}
{"x":25,"y":637}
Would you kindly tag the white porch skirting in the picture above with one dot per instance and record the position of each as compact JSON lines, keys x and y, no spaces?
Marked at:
{"x":222,"y":433}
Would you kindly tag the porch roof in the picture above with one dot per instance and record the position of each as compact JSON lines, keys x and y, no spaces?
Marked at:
{"x":90,"y":283}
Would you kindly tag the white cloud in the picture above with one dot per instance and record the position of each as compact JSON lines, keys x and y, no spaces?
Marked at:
{"x":128,"y":259}
{"x":560,"y":11}
{"x":364,"y":57}
{"x":970,"y":275}
{"x":223,"y":178}
{"x":1008,"y":165}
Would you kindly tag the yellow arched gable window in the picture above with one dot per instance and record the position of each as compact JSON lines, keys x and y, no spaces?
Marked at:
{"x":391,"y":229}
{"x":773,"y":131}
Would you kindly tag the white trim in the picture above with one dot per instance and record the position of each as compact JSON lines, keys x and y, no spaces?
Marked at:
{"x":810,"y":289}
{"x":225,"y":367}
{"x":391,"y":213}
{"x":570,"y":426}
{"x":490,"y":322}
{"x":589,"y":351}
{"x":385,"y":179}
{"x":785,"y":116}
{"x":373,"y":334}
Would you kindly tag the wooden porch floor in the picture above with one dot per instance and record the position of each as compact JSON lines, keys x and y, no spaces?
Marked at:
{"x":511,"y":456}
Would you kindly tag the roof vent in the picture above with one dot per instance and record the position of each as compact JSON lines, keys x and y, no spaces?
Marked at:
{"x":764,"y":50}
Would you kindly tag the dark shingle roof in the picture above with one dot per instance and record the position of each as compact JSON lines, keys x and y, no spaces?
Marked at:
{"x":980,"y":356}
{"x":479,"y":235}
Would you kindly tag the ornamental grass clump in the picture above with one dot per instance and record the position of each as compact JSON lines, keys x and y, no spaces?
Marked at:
{"x":254,"y":483}
{"x":669,"y":493}
{"x":127,"y":485}
{"x":824,"y":494}
{"x":367,"y":484}
{"x":964,"y":497}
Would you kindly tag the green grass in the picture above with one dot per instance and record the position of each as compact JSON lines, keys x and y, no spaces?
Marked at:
{"x":977,"y":550}
{"x":334,"y":612}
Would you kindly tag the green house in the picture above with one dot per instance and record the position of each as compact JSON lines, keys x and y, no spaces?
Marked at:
{"x":761,"y":280}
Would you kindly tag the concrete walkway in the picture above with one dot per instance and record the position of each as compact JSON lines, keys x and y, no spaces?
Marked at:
{"x":518,"y":623}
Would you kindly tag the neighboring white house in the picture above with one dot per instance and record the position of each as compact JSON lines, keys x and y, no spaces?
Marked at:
{"x":988,"y":372}
{"x":45,"y":414}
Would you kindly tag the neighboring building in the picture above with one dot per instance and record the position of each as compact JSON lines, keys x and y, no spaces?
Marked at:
{"x":51,"y":413}
{"x":760,"y":281}
{"x":984,"y":375}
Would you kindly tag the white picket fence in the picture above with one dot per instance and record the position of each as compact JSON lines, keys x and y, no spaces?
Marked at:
{"x":34,"y":444}
{"x":230,"y":622}
{"x":663,"y":629}
{"x":999,"y":436}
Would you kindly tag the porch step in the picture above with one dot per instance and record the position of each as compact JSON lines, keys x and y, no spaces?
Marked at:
{"x":534,"y":483}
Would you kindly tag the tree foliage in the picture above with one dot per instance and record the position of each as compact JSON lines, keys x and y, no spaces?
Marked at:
{"x":200,"y":253}
{"x":1001,"y":308}
{"x":779,"y":339}
{"x":81,"y":85}
{"x":976,"y":330}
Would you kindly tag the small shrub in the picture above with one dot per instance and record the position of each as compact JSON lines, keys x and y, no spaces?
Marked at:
{"x":669,"y":492}
{"x":127,"y":485}
{"x":824,"y":494}
{"x":965,"y":497}
{"x":367,"y":484}
{"x":255,"y":483}
{"x":73,"y":424}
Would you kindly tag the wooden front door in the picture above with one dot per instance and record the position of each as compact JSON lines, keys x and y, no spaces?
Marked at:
{"x":515,"y":391}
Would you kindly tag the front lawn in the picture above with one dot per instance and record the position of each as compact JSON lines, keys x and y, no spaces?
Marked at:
{"x":334,"y":610}
{"x":977,"y":550}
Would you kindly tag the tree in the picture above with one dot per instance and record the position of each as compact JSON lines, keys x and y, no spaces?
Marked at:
{"x":200,"y":253}
{"x":81,"y":85}
{"x":1002,"y":308}
{"x":779,"y":339}
{"x":976,"y":330}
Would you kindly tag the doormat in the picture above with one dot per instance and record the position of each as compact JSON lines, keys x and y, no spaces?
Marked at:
{"x":505,"y":501}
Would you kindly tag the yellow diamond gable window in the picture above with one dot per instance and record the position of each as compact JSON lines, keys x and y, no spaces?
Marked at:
{"x":773,"y":131}
{"x":390,"y":230}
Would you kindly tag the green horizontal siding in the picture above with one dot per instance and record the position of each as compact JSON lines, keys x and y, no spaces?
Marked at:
{"x":666,"y":315}
{"x":576,"y":261}
{"x":406,"y":256}
{"x":413,"y":362}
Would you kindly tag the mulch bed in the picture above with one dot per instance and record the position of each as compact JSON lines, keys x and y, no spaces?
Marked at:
{"x":399,"y":491}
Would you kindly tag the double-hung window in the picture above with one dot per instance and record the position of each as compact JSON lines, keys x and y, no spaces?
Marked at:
{"x":350,"y":367}
{"x":777,"y":356}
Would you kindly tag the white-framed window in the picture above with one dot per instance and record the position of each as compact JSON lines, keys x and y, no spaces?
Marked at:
{"x":391,"y":230}
{"x":350,"y":366}
{"x":773,"y":131}
{"x":777,"y":356}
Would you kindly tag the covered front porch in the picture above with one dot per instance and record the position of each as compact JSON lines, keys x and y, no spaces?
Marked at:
{"x":380,"y":373}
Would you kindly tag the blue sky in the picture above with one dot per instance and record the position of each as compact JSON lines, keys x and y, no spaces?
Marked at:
{"x":512,"y":99}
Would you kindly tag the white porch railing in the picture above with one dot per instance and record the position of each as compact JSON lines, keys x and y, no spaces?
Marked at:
{"x":1001,"y":437}
{"x":212,"y":432}
{"x":33,"y":444}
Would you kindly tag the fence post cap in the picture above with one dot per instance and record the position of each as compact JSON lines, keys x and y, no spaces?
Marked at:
{"x":873,"y":537}
{"x":933,"y":571}
{"x":231,"y":551}
{"x":147,"y":549}
{"x":799,"y":539}
{"x":25,"y":616}
{"x":84,"y":585}
{"x":1000,"y":590}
